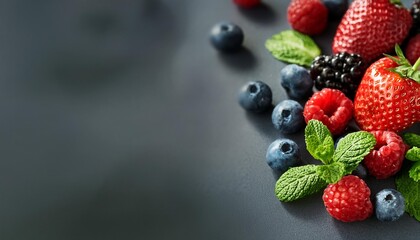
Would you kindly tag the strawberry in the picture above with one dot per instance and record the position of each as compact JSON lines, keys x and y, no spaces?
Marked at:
{"x":307,"y":16}
{"x":412,"y":51}
{"x":388,"y":97}
{"x":372,"y":27}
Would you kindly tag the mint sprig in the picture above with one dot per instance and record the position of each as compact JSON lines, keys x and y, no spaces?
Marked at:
{"x":408,"y":182}
{"x":413,"y":154}
{"x":293,"y":47}
{"x":412,"y":139}
{"x":331,"y":173}
{"x":410,"y":189}
{"x":414,"y":171}
{"x":319,"y":141}
{"x":353,"y":148}
{"x":298,"y":182}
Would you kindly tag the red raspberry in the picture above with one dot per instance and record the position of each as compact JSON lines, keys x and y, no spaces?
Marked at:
{"x":348,"y":200}
{"x":307,"y":16}
{"x":331,"y":107}
{"x":387,"y":157}
{"x":412,"y":51}
{"x":247,"y":3}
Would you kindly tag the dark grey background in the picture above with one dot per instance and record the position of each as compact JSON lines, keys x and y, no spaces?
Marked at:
{"x":120,"y":121}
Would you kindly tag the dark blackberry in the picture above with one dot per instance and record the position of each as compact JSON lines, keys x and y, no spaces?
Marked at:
{"x":341,"y":71}
{"x":415,"y":13}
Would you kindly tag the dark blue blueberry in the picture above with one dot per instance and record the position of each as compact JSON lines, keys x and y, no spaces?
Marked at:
{"x":360,"y":171}
{"x":336,"y":8}
{"x":288,"y":117}
{"x":390,"y":205}
{"x":226,"y":37}
{"x":296,"y":81}
{"x":255,"y":96}
{"x":282,"y":154}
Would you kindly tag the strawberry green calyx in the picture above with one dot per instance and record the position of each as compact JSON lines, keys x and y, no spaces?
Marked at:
{"x":405,"y":69}
{"x":396,"y":2}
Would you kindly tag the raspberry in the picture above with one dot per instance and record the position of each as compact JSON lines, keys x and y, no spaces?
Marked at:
{"x":307,"y":16}
{"x":331,"y":107}
{"x":247,"y":3}
{"x":387,"y":157}
{"x":412,"y":51}
{"x":348,"y":200}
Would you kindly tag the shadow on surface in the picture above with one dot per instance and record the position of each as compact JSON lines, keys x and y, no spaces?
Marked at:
{"x":263,"y":14}
{"x":307,"y":208}
{"x":243,"y":59}
{"x":262,"y":122}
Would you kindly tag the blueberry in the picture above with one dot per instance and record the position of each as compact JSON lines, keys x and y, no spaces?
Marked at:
{"x":360,"y":171}
{"x":282,"y":154}
{"x":296,"y":81}
{"x":390,"y":205}
{"x":255,"y":96}
{"x":226,"y":37}
{"x":287,"y":116}
{"x":336,"y":8}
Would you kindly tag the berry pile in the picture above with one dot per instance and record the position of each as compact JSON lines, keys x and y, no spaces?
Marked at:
{"x":341,"y":71}
{"x":386,"y":102}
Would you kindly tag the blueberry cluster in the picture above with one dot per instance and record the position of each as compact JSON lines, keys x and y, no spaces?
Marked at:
{"x":341,"y":71}
{"x":415,"y":13}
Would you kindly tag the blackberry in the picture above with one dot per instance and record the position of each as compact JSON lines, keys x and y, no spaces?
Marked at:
{"x":415,"y":13}
{"x":342,"y":71}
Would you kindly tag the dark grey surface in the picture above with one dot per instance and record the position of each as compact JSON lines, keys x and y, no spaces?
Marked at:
{"x":120,"y":121}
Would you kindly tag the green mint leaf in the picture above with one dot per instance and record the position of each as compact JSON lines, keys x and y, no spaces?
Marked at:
{"x":298,"y":182}
{"x":414,"y":172}
{"x":331,"y":173}
{"x":410,"y":189}
{"x":412,"y":139}
{"x":293,"y":47}
{"x":319,"y":141}
{"x":352,"y":148}
{"x":413,"y":154}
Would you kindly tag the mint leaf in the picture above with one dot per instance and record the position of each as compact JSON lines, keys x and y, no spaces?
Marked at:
{"x":413,"y":154}
{"x":319,"y":141}
{"x":412,"y":139}
{"x":352,"y":148}
{"x":331,"y":173}
{"x":298,"y":182}
{"x":410,"y":189}
{"x":414,"y":172}
{"x":293,"y":47}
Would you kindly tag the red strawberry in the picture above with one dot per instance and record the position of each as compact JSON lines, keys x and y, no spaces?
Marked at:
{"x":412,"y":51}
{"x":388,"y":97}
{"x":372,"y":27}
{"x":348,"y":200}
{"x":386,"y":159}
{"x":247,"y":3}
{"x":307,"y":16}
